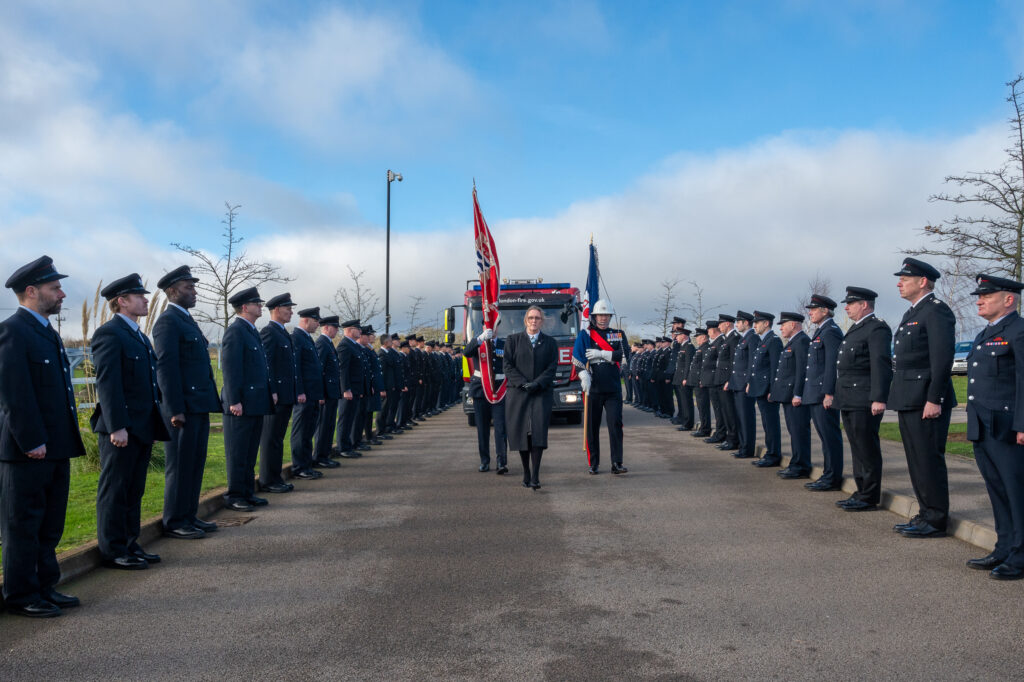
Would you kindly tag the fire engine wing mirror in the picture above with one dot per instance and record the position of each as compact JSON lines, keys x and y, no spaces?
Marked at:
{"x":567,"y":311}
{"x":449,"y":319}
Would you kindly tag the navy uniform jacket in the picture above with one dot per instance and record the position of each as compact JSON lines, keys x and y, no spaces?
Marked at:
{"x":683,"y":359}
{"x":723,"y":366}
{"x":662,"y":370}
{"x":605,"y":374}
{"x":408,"y":375}
{"x":472,"y":351}
{"x":673,"y":358}
{"x":865,"y":365}
{"x":277,"y":346}
{"x":245,"y":373}
{"x":373,"y":383}
{"x":822,"y":355}
{"x":923,"y":354}
{"x":387,"y":369}
{"x":310,"y":378}
{"x":742,"y":354}
{"x":995,"y":381}
{"x":329,"y":367}
{"x":791,"y":372}
{"x":710,"y":361}
{"x":696,"y":365}
{"x":183,"y":368}
{"x":37,"y":403}
{"x":350,"y":366}
{"x":764,"y":360}
{"x":126,"y":385}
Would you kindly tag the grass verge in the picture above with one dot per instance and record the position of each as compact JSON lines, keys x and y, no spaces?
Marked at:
{"x":956,"y":442}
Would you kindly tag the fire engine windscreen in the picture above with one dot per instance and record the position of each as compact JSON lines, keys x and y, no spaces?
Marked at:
{"x":512,"y":321}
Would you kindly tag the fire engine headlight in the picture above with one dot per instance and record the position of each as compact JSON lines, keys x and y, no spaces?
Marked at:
{"x":570,"y":397}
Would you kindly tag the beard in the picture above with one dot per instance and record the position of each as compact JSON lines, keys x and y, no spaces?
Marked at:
{"x":51,"y":307}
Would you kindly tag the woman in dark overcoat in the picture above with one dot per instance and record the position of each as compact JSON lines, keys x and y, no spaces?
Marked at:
{"x":531,"y":358}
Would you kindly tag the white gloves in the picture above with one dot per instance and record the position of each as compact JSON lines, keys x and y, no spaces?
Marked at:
{"x":585,"y":380}
{"x":486,"y":336}
{"x":595,"y":354}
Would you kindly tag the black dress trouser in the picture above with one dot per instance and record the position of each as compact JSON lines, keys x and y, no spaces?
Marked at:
{"x":866,"y":452}
{"x":598,"y":404}
{"x":33,"y":505}
{"x":119,"y":495}
{"x":184,"y":464}
{"x":798,"y":424}
{"x":924,"y":442}
{"x":731,"y":418}
{"x":485,"y":414}
{"x":1002,"y":466}
{"x":703,"y":409}
{"x":826,"y":423}
{"x":746,"y":418}
{"x":304,"y":423}
{"x":272,"y":444}
{"x":684,"y":394}
{"x":325,"y":421}
{"x":241,"y":446}
{"x":347,"y":411}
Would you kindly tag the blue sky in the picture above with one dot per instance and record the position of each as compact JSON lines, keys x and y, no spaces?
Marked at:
{"x":673,"y":131}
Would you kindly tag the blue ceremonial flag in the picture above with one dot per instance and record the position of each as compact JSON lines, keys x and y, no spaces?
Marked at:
{"x":591,"y":293}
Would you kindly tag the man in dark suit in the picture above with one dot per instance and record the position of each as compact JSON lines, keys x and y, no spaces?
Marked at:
{"x":708,"y":380}
{"x":189,"y":394}
{"x":38,"y":436}
{"x":309,"y":382}
{"x":407,"y":401}
{"x":372,"y":387}
{"x":764,"y":361}
{"x":485,"y":413}
{"x":746,"y":421}
{"x":788,"y":389}
{"x":684,"y":393}
{"x":864,"y":375}
{"x":922,"y":394}
{"x":530,"y":362}
{"x":822,"y":355}
{"x":328,"y":412}
{"x":128,"y":419}
{"x":277,"y":346}
{"x":246,"y":397}
{"x":700,"y":394}
{"x":401,"y":387}
{"x":995,"y":419}
{"x":723,"y":372}
{"x":350,"y":372}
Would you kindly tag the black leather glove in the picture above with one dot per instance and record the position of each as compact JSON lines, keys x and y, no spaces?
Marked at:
{"x":529,"y":387}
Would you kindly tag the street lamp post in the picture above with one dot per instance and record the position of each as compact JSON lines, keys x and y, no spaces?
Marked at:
{"x":387,"y":257}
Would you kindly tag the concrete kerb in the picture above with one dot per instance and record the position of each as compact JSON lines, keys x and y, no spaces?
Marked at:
{"x":970,"y":532}
{"x":80,"y":560}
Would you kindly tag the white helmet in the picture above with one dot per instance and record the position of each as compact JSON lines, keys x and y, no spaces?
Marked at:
{"x":602,"y":307}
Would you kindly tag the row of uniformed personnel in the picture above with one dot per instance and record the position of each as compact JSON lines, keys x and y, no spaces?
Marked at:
{"x":737,"y":364}
{"x":165,"y":391}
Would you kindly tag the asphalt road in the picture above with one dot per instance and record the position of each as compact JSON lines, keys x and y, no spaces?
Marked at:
{"x":409,"y":565}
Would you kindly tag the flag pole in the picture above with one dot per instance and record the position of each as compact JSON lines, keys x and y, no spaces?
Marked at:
{"x":586,"y":413}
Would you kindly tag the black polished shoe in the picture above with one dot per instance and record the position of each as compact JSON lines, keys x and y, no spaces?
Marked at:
{"x":128,"y":562}
{"x":37,"y":609}
{"x":335,"y":452}
{"x":593,"y":470}
{"x":502,"y":470}
{"x":765,"y":462}
{"x":385,"y":436}
{"x":398,"y":431}
{"x":376,"y":441}
{"x":684,"y":428}
{"x":238,"y":505}
{"x":618,"y":469}
{"x":64,"y":601}
{"x":364,"y":447}
{"x":146,"y":556}
{"x":257,"y":501}
{"x":184,"y":533}
{"x":822,"y":484}
{"x":742,"y":455}
{"x":483,"y":467}
{"x":923,"y":529}
{"x":1006,"y":572}
{"x":700,"y":434}
{"x":985,"y":563}
{"x":307,"y":475}
{"x":350,"y":454}
{"x":325,"y":464}
{"x":276,"y":487}
{"x":727,"y":446}
{"x":792,"y":474}
{"x":535,"y":485}
{"x":526,"y":484}
{"x":205,"y":526}
{"x":908,"y":524}
{"x":858,"y":506}
{"x":714,"y":439}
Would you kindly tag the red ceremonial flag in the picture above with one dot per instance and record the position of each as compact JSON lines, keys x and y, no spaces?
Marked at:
{"x":490,"y":273}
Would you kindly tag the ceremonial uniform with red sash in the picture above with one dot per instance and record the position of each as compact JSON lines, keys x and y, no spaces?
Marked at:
{"x":605,"y":390}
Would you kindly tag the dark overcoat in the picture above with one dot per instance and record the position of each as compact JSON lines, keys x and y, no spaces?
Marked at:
{"x":529,"y":413}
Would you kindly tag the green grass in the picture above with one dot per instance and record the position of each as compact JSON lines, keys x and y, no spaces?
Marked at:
{"x":956,"y":443}
{"x":80,"y":523}
{"x":960,"y":387}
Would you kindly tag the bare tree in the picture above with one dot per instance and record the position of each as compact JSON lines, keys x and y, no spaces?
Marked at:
{"x":357,"y":302}
{"x":820,"y":285}
{"x":699,"y":309}
{"x":414,"y":309}
{"x":666,"y":305}
{"x":221,"y":276}
{"x":992,"y":235}
{"x":955,"y":287}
